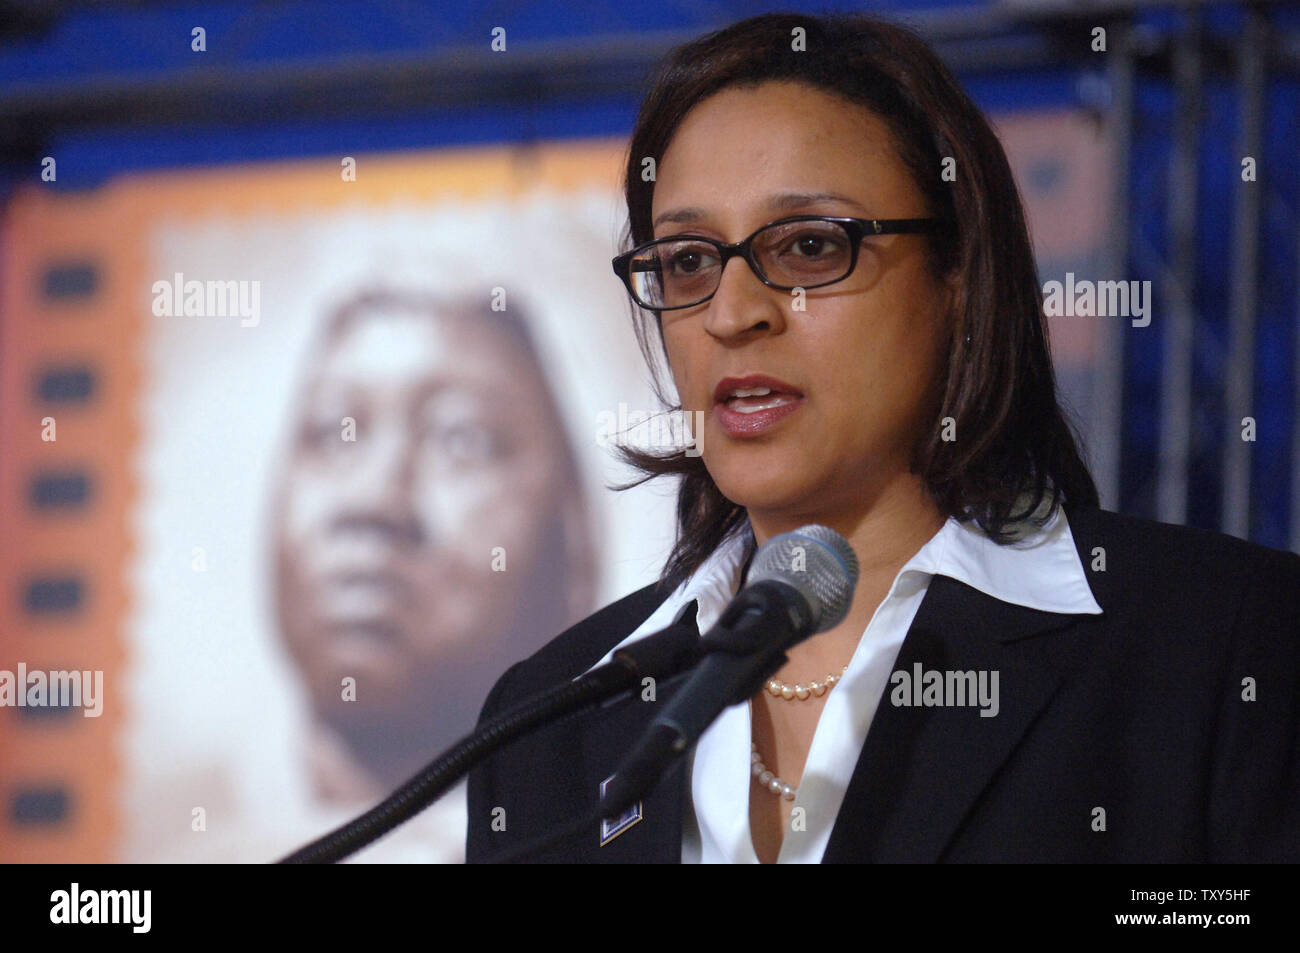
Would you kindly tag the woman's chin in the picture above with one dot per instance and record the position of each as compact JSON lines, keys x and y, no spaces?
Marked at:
{"x":766,"y":493}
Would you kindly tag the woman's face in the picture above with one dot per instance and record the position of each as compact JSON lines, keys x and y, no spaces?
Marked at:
{"x":851,"y":373}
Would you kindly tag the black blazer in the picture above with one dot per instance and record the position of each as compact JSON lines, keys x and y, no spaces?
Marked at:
{"x":1144,"y":711}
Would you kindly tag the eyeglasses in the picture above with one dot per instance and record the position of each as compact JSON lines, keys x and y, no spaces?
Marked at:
{"x":805,"y":251}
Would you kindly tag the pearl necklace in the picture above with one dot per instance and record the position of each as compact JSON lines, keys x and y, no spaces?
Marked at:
{"x":766,"y":777}
{"x":781,"y":690}
{"x":803,"y":692}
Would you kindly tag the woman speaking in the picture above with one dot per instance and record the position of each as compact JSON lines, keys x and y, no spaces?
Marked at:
{"x":827,"y":246}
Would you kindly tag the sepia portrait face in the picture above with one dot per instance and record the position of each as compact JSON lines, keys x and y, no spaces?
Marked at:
{"x":422,"y":488}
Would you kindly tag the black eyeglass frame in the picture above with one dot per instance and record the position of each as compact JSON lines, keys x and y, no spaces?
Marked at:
{"x":857,"y":229}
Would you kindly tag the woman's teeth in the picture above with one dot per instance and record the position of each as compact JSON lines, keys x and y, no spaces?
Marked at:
{"x":759,"y":398}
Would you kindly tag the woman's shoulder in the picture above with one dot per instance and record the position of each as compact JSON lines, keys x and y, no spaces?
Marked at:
{"x":1129,"y":557}
{"x":577,"y":648}
{"x":1159,"y":541}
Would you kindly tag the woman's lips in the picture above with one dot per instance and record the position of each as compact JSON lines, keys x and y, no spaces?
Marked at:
{"x":751,"y":422}
{"x":749,"y":406}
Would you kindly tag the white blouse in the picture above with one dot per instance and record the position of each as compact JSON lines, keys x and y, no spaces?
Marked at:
{"x":1041,"y":571}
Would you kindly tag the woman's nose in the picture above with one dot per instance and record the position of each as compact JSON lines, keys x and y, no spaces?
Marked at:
{"x":743,"y":304}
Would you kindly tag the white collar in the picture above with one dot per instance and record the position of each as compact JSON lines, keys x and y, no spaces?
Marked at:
{"x":1041,"y":570}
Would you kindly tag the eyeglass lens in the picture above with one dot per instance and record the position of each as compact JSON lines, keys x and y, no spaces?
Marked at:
{"x":792,"y":254}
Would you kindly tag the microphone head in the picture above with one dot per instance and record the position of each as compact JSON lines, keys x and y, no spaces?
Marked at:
{"x":816,"y":561}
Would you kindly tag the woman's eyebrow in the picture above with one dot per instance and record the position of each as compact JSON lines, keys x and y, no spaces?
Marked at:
{"x":688,"y":214}
{"x":777,"y":203}
{"x":790,"y":200}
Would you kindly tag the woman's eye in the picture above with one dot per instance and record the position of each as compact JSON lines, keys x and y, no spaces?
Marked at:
{"x":684,"y":262}
{"x":815,"y":246}
{"x":687,"y":261}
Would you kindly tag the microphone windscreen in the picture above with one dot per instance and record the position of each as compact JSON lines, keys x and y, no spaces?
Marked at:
{"x":819,"y":563}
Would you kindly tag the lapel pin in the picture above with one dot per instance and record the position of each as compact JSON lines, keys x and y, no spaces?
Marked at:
{"x":611,"y":827}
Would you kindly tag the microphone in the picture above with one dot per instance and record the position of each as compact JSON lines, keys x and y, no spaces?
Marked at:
{"x":799,"y":584}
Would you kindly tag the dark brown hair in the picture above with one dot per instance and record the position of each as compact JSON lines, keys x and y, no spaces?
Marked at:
{"x":1000,"y":387}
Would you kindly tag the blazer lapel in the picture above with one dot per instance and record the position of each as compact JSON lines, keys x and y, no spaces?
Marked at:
{"x":922,"y":768}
